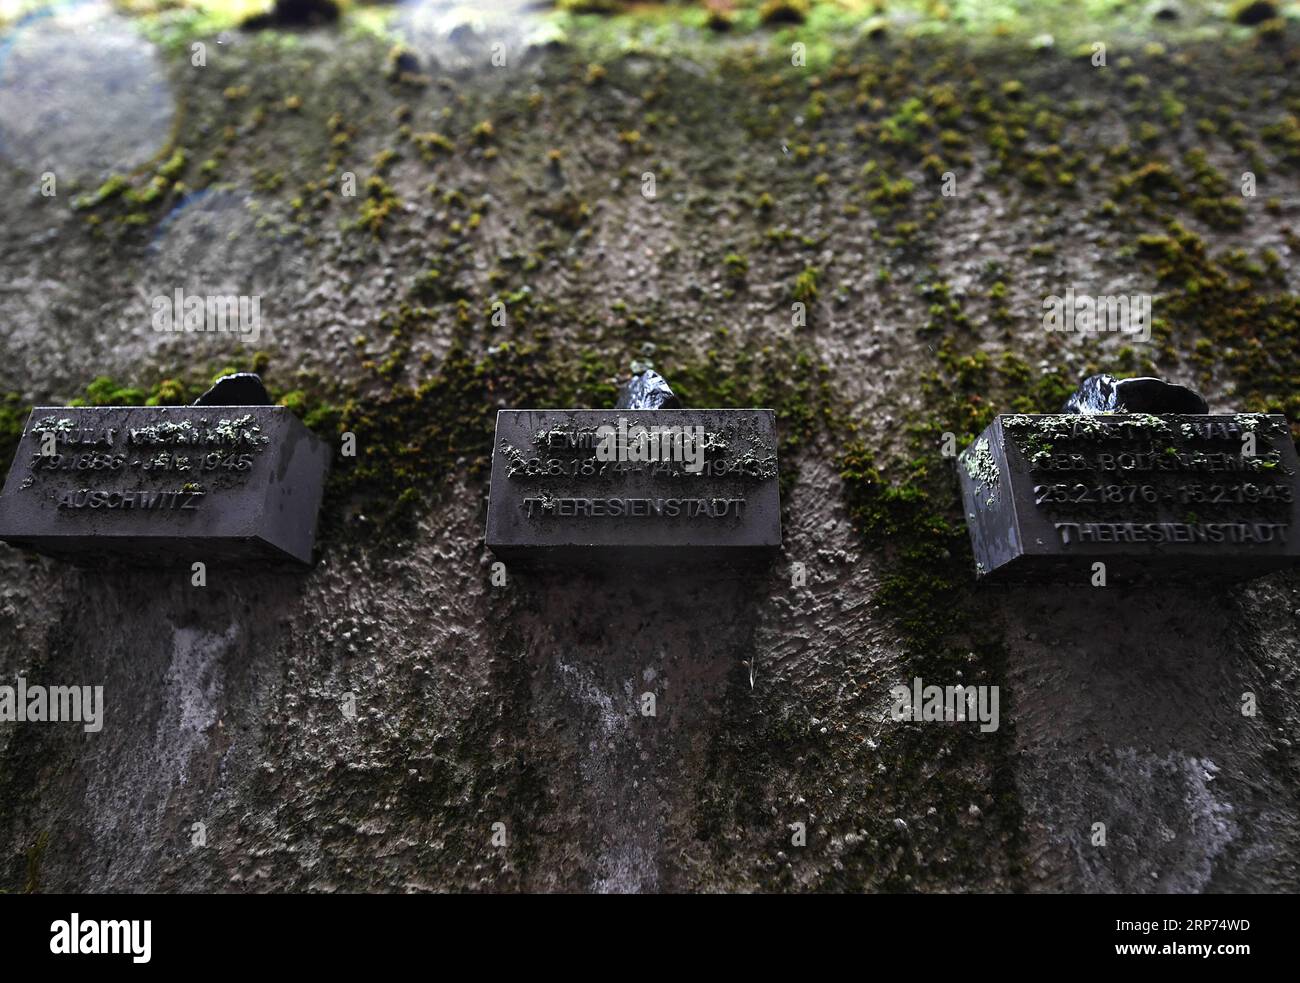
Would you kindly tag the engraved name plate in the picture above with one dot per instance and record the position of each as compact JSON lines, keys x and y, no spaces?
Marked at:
{"x":1154,"y":498}
{"x":613,"y":484}
{"x":175,"y":483}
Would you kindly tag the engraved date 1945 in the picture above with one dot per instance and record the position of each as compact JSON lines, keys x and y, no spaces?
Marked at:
{"x":1183,"y":494}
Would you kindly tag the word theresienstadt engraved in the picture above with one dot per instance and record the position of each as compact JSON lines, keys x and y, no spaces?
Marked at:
{"x":709,"y":508}
{"x":1148,"y":496}
{"x":570,"y":482}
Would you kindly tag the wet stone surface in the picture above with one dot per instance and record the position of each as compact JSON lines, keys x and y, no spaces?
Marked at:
{"x":159,"y":483}
{"x":1155,"y":498}
{"x":581,"y":484}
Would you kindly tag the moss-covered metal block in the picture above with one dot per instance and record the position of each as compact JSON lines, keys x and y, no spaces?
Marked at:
{"x":1150,"y":498}
{"x":159,"y":483}
{"x":627,"y":484}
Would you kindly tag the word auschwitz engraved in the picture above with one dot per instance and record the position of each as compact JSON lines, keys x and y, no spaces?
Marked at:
{"x":137,"y":453}
{"x":156,"y":482}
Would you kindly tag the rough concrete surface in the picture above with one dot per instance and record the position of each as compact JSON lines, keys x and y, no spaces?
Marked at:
{"x":365,"y":725}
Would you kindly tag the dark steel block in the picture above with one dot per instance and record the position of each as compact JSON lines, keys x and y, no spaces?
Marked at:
{"x":162,"y":483}
{"x":1155,"y":498}
{"x":555,"y":495}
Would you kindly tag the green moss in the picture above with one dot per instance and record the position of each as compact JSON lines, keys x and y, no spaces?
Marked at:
{"x":110,"y":189}
{"x":35,"y":855}
{"x":805,"y":285}
{"x":168,"y":392}
{"x":105,"y":392}
{"x":737,"y":267}
{"x":910,"y":511}
{"x":431,"y":143}
{"x":1151,"y":176}
{"x":172,"y":168}
{"x":14,"y":411}
{"x":150,"y":193}
{"x":590,"y":6}
{"x":378,"y":204}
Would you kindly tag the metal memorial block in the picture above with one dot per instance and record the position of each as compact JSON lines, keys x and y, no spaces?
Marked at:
{"x":1154,"y":498}
{"x":634,"y":483}
{"x":165,"y":483}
